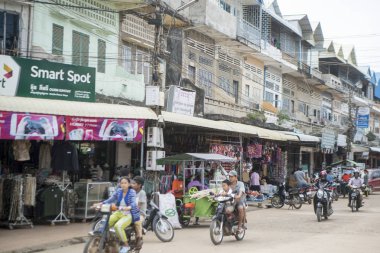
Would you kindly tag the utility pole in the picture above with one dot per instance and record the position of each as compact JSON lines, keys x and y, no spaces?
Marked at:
{"x":350,"y":125}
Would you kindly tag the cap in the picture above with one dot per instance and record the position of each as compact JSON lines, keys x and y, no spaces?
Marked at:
{"x":232,"y":173}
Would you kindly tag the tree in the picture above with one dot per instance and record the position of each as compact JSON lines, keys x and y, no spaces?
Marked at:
{"x":371,"y":136}
{"x":257,"y":115}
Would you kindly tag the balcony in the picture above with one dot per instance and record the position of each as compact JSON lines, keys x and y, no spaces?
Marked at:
{"x":333,"y":84}
{"x":209,"y":18}
{"x":135,"y":29}
{"x":289,"y":63}
{"x":248,"y":34}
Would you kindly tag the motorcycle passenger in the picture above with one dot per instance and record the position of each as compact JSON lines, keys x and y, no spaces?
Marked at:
{"x":239,"y":190}
{"x":321,"y":184}
{"x":226,"y":188}
{"x":354,"y":181}
{"x":128,"y":212}
{"x":330,"y":176}
{"x":301,"y":178}
{"x":141,"y":200}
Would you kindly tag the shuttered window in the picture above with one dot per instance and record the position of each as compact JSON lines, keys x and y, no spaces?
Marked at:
{"x":81,"y":43}
{"x":101,"y":56}
{"x":57,"y":47}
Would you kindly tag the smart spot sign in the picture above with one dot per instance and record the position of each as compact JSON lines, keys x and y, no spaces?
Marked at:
{"x":43,"y":79}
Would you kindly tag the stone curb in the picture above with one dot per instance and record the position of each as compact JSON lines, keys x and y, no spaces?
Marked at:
{"x":50,"y":246}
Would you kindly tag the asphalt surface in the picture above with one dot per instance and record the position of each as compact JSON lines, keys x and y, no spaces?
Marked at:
{"x":282,"y":230}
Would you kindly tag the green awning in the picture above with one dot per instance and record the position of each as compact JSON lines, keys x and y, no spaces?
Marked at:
{"x":342,"y":162}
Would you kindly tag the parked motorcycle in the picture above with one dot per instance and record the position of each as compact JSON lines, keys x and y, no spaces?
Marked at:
{"x":225,"y":221}
{"x":356,"y":199}
{"x":334,"y":191}
{"x":291,"y":198}
{"x":158,"y":223}
{"x":105,"y":239}
{"x":323,"y":203}
{"x":306,"y":195}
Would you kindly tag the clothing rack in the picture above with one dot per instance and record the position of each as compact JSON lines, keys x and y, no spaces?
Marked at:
{"x":61,"y":217}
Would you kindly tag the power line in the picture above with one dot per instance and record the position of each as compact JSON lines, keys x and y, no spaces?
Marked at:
{"x":74,"y":6}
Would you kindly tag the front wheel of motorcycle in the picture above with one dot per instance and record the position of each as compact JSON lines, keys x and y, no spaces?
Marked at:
{"x":92,"y":246}
{"x":276,"y":201}
{"x":319,"y":214}
{"x":297,"y":202}
{"x":216,"y":232}
{"x":353,"y":205}
{"x":163,"y":229}
{"x":240,"y":236}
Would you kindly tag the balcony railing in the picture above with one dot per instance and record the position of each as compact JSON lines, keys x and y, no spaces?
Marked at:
{"x":304,"y":67}
{"x":289,"y":58}
{"x":248,"y":32}
{"x":316,"y":73}
{"x":138,"y":28}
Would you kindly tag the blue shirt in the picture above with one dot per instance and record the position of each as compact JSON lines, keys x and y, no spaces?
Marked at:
{"x":330,"y":178}
{"x":129,"y":199}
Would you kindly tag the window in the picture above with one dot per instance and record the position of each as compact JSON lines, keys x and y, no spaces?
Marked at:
{"x":57,"y":47}
{"x":286,"y":104}
{"x":247,"y":90}
{"x":101,"y":56}
{"x":127,"y":59}
{"x":269,"y":96}
{"x":191,"y":73}
{"x":276,"y":101}
{"x":9,"y":33}
{"x":205,"y":81}
{"x":81,"y":44}
{"x":139,"y":62}
{"x":224,"y":83}
{"x":293,"y":106}
{"x":225,"y":6}
{"x":236,"y":90}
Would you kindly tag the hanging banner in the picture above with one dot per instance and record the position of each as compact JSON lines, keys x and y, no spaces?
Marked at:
{"x":181,"y":101}
{"x":24,"y":77}
{"x":100,"y":129}
{"x":24,"y":126}
{"x":363,"y":117}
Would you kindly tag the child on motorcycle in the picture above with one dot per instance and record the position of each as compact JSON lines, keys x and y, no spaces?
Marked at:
{"x":226,"y":189}
{"x":127,"y":213}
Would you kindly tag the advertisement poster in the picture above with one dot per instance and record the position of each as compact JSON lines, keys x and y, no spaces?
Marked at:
{"x":363,"y":117}
{"x":100,"y":129}
{"x":43,"y":79}
{"x":23,"y":126}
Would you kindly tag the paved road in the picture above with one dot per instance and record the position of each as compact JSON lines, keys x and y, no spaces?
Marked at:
{"x":283,"y":230}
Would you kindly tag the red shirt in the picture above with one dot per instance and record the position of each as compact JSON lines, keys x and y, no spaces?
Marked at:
{"x":346,"y":178}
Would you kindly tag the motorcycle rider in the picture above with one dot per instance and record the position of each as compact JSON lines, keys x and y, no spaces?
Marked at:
{"x":321,"y":184}
{"x":141,"y":200}
{"x":239,"y":190}
{"x":301,"y":178}
{"x":355,"y":181}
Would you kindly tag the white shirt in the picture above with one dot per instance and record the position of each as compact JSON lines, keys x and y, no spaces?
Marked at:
{"x":356,"y":182}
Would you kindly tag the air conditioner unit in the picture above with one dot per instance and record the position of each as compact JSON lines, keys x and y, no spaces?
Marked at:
{"x":155,"y":137}
{"x":151,"y":157}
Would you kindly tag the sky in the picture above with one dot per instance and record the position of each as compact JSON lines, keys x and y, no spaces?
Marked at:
{"x":349,"y":22}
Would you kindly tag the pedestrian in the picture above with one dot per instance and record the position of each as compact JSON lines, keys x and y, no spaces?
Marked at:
{"x":254,"y":183}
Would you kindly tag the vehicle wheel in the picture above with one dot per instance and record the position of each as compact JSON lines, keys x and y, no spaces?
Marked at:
{"x":309,"y":201}
{"x":216,"y":232}
{"x":370,"y":190}
{"x":276,"y":201}
{"x":319,"y":214}
{"x":353,"y":205}
{"x":240,"y":236}
{"x":366,"y":193}
{"x":92,"y":245}
{"x":336,"y":196}
{"x":163,"y":229}
{"x":297,"y":202}
{"x":185,"y":222}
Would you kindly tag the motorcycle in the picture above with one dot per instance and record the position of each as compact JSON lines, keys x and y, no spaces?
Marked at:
{"x":342,"y":189}
{"x":306,"y":195}
{"x":366,"y":190}
{"x":225,"y":221}
{"x":291,"y":198}
{"x":334,"y":191}
{"x":323,"y":203}
{"x":356,"y":199}
{"x":104,"y":238}
{"x":158,"y":223}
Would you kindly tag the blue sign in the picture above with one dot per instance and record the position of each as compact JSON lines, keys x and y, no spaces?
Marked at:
{"x":363,"y":117}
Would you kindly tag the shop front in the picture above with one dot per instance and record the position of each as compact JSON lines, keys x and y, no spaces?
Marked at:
{"x":65,"y":153}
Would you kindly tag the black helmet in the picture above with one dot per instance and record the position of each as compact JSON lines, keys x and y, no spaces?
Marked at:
{"x":139,"y":180}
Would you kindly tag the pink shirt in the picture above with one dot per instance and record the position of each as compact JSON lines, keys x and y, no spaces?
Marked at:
{"x":255,"y":179}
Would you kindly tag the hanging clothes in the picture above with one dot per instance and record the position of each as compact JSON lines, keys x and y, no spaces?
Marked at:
{"x":64,"y":157}
{"x":255,"y":151}
{"x":45,"y":156}
{"x":21,"y":150}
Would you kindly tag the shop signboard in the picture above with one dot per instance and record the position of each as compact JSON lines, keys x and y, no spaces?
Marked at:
{"x":43,"y":79}
{"x":342,"y":140}
{"x":25,"y":126}
{"x":181,"y":101}
{"x":101,"y":129}
{"x":328,"y":140}
{"x":363,"y":117}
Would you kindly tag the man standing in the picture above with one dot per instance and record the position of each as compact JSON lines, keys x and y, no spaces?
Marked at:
{"x":141,"y":200}
{"x":239,"y":190}
{"x":301,"y":178}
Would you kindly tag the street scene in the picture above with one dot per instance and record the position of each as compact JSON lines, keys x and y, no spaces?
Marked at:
{"x":132,"y":126}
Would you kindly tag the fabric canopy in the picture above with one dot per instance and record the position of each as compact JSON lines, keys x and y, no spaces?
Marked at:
{"x":194,"y":157}
{"x":71,"y":108}
{"x":304,"y":137}
{"x":342,"y":162}
{"x":374,"y":149}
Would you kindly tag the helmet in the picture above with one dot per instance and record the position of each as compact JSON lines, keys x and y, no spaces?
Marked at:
{"x":323,"y":173}
{"x":356,"y":172}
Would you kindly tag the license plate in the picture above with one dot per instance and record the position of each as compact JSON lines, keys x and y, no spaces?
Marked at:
{"x":301,"y":195}
{"x":353,"y":194}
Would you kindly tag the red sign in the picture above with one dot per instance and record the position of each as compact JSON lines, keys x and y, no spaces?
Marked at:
{"x":100,"y":129}
{"x":26,"y":126}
